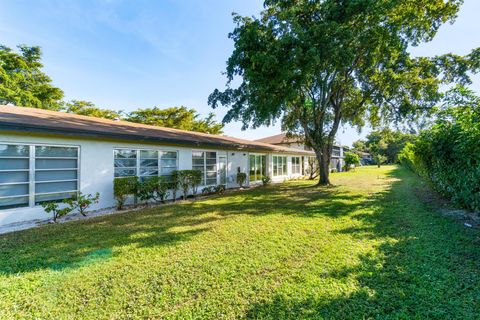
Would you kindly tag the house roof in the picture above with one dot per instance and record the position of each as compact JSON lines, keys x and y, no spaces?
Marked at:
{"x":22,"y":119}
{"x":279,"y":138}
{"x":283,"y":138}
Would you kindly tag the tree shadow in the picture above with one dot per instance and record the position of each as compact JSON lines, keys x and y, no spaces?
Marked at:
{"x":425,"y":266}
{"x":306,"y":201}
{"x":73,"y":244}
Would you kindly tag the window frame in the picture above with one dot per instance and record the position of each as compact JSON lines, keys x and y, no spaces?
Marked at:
{"x":138,"y":161}
{"x":296,"y":165}
{"x":283,"y":165}
{"x":204,"y":177}
{"x":32,"y":170}
{"x":262,"y":167}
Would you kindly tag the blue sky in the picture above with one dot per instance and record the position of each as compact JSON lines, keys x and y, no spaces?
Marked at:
{"x":129,"y":54}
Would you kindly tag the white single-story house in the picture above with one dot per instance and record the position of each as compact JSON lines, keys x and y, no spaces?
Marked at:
{"x":47,"y":155}
{"x":296,"y":142}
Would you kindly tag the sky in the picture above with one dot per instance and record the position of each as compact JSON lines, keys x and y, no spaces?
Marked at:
{"x":124,"y":55}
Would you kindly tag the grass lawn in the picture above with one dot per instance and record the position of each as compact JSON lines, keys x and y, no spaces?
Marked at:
{"x":366,"y":248}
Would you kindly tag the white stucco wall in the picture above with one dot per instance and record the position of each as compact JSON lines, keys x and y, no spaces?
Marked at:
{"x":96,"y":168}
{"x":236,"y":160}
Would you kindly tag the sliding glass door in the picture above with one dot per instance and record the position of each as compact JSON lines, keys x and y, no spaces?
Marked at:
{"x":258,"y":167}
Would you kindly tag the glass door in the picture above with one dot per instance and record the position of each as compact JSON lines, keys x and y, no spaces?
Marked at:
{"x":258,"y":167}
{"x":222,"y":169}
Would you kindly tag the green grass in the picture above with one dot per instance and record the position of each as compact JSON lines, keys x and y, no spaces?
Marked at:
{"x":367,"y":248}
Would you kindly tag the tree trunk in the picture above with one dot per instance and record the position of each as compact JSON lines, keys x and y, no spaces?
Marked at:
{"x":323,"y":157}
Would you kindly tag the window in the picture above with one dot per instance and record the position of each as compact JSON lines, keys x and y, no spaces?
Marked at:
{"x":335,"y":151}
{"x":296,"y":167}
{"x":257,"y":167}
{"x":125,"y":162}
{"x":144,"y":163}
{"x":206,"y":162}
{"x":56,"y":173}
{"x":279,"y":166}
{"x":30,"y":175}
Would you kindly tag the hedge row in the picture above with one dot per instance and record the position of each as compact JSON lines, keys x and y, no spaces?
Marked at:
{"x":448,"y":155}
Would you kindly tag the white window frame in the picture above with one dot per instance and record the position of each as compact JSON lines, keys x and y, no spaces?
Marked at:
{"x":296,"y":165}
{"x":138,"y":161}
{"x":32,"y":170}
{"x":284,"y":158}
{"x":255,"y":155}
{"x":204,"y":180}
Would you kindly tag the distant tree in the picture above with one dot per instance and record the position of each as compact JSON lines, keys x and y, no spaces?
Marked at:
{"x":23,"y":82}
{"x":176,"y":117}
{"x":359,"y":145}
{"x":379,"y":159}
{"x":350,"y":159}
{"x":87,"y":108}
{"x":388,"y":143}
{"x":317,"y":64}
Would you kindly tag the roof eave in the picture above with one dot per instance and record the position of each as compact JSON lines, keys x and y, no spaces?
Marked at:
{"x":75,"y":132}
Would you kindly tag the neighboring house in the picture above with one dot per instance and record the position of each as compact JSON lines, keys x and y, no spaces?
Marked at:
{"x":47,"y":155}
{"x":298,"y":142}
{"x":365,"y":158}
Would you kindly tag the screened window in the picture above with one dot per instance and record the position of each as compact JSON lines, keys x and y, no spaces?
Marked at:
{"x":279,"y":166}
{"x":144,"y":163}
{"x":206,"y":162}
{"x":296,"y":167}
{"x":31,"y":174}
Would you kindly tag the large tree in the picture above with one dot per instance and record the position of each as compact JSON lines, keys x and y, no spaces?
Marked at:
{"x":87,"y":108}
{"x":23,"y":82}
{"x":176,"y":117}
{"x":320,"y":64}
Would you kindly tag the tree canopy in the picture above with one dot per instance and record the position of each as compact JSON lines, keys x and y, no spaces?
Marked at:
{"x":385,"y":142}
{"x":87,"y":108}
{"x":176,"y":117}
{"x":22,"y":81}
{"x":319,"y":64}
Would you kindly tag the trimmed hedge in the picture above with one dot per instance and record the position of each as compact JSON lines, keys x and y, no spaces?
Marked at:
{"x":448,"y":155}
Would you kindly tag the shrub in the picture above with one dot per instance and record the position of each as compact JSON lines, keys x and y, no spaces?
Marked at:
{"x":124,"y":187}
{"x":208,"y":190}
{"x":83,"y":202}
{"x":189,"y":179}
{"x":146,"y":189}
{"x":407,"y":156}
{"x":160,"y":188}
{"x":56,"y":209}
{"x":175,"y":184}
{"x":266,"y":180}
{"x":195,"y":180}
{"x":220,"y":189}
{"x":448,"y":154}
{"x":241,"y":178}
{"x":350,"y":159}
{"x":153,"y":188}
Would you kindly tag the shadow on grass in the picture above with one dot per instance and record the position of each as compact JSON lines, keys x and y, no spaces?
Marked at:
{"x":426,"y":266}
{"x":74,"y":244}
